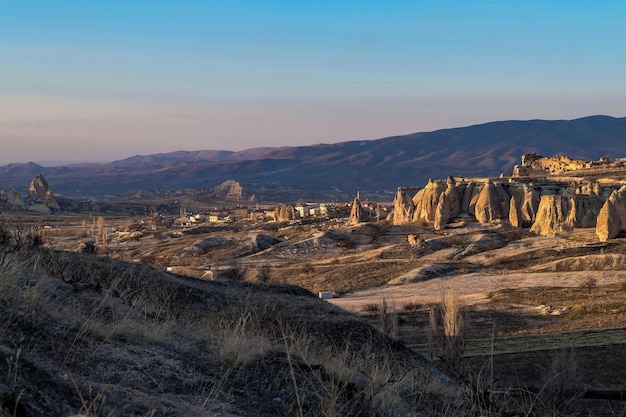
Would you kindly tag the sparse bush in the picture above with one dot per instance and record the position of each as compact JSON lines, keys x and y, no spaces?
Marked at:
{"x":236,"y":272}
{"x":411,"y":307}
{"x":589,"y":283}
{"x":307,"y":268}
{"x":371,"y":308}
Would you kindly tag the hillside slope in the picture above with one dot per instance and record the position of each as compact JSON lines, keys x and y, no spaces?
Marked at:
{"x":84,"y":335}
{"x":376,"y":165}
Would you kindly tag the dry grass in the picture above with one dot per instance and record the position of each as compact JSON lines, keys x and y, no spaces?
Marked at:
{"x":91,"y":336}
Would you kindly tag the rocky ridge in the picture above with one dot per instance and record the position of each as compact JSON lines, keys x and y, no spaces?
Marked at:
{"x":548,"y":195}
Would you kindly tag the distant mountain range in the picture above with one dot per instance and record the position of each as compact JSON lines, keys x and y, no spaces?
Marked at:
{"x":375,"y":166}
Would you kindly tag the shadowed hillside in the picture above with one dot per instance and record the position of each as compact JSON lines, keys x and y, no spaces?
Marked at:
{"x":84,"y":335}
{"x":376,"y":165}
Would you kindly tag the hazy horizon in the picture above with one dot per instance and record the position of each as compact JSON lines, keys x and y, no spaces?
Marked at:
{"x":84,"y":81}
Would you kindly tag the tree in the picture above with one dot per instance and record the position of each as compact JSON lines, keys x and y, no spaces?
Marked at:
{"x":264,"y":273}
{"x":101,"y":229}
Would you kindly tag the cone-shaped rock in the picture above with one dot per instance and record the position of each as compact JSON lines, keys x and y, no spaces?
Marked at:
{"x":489,"y":204}
{"x":403,"y":206}
{"x":430,"y":200}
{"x":357,"y":213}
{"x":612,"y":218}
{"x":449,"y":205}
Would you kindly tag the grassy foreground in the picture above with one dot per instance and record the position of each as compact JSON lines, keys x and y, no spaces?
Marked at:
{"x":90,"y":336}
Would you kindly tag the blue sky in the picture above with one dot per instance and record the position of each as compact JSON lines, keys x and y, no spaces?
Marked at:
{"x":102,"y":80}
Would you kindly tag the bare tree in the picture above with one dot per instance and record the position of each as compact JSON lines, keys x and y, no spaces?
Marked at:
{"x":264,"y":273}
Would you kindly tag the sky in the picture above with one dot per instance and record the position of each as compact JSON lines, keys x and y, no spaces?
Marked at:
{"x":103,"y":80}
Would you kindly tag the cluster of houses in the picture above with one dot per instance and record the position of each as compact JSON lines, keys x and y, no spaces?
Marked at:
{"x":227,"y":215}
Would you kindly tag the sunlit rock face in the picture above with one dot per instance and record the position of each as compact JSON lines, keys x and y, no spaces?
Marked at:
{"x":612,"y":217}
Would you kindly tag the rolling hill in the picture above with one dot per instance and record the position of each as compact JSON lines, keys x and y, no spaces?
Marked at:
{"x":339,"y":169}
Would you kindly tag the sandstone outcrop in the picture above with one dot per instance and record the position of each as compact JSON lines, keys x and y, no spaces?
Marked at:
{"x":39,"y":189}
{"x":426,"y":200}
{"x":550,"y":205}
{"x":357,"y":213}
{"x":40,"y":196}
{"x":491,"y":202}
{"x":470,"y":197}
{"x":515,"y":217}
{"x":586,"y":209}
{"x":284,"y":213}
{"x":553,"y":215}
{"x":230,"y":189}
{"x":612,"y":217}
{"x":523,"y":206}
{"x":403,"y":206}
{"x":449,"y":205}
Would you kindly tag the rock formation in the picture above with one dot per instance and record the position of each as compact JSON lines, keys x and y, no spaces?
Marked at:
{"x":15,"y":201}
{"x":523,"y":206}
{"x":284,"y":213}
{"x":489,"y":205}
{"x":470,"y":197}
{"x":403,"y":206}
{"x":553,"y":215}
{"x":357,"y":213}
{"x":426,"y":204}
{"x":230,"y":190}
{"x":40,"y":196}
{"x":515,"y":217}
{"x":555,"y":164}
{"x":586,"y":209}
{"x":612,"y":217}
{"x":449,"y":205}
{"x":39,"y":189}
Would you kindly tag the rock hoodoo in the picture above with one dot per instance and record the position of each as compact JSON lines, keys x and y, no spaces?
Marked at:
{"x":489,"y":205}
{"x":284,"y":213}
{"x":553,"y":215}
{"x":403,"y":206}
{"x":40,"y":196}
{"x":612,"y":217}
{"x":357,"y":213}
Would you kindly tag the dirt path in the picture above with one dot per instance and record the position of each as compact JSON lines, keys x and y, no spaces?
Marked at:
{"x":472,"y":288}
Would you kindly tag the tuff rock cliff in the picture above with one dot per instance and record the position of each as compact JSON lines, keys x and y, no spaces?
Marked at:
{"x":546,"y":206}
{"x":612,"y":217}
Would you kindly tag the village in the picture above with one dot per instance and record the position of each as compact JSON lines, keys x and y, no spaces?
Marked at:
{"x":299,"y":213}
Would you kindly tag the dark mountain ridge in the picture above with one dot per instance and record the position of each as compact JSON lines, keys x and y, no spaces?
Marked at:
{"x":377,"y":165}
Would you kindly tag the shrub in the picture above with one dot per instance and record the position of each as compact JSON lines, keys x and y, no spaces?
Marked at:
{"x":589,"y":283}
{"x":235,"y":272}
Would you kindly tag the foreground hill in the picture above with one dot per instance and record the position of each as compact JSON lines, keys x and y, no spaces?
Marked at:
{"x":83,"y":335}
{"x":341,"y":168}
